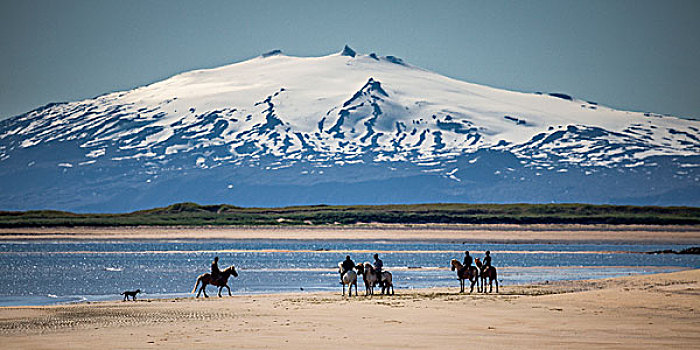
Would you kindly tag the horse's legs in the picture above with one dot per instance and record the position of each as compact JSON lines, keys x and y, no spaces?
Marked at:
{"x":343,"y":289}
{"x":229,"y":290}
{"x":220,"y":289}
{"x":496,"y":284}
{"x":204,"y":290}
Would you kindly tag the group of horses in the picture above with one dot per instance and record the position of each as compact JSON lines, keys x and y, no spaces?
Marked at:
{"x":369,"y":277}
{"x":473,"y":273}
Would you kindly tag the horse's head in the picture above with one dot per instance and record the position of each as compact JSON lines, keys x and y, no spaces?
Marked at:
{"x":477,"y":262}
{"x":231,"y":270}
{"x":453,"y":264}
{"x":360,"y":268}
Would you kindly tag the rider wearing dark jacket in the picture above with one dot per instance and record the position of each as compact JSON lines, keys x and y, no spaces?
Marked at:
{"x":347,"y":265}
{"x":378,"y":265}
{"x":215,"y":272}
{"x":467,"y":261}
{"x":487,"y":259}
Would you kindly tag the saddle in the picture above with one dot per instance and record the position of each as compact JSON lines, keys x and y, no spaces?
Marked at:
{"x":379,"y":277}
{"x":216,"y":279}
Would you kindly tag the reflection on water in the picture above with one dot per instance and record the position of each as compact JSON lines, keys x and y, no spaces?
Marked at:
{"x":46,"y":272}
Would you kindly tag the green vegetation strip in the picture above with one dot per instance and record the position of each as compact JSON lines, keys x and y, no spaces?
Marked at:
{"x":191,"y":214}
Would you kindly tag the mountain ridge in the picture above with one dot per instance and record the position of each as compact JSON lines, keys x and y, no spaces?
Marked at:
{"x":316,"y":116}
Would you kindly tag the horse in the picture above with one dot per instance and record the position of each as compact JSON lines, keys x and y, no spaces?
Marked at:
{"x":221,"y":281}
{"x":387,"y":282}
{"x":487,"y":272}
{"x":471,"y":274}
{"x":370,"y":278}
{"x":349,"y":279}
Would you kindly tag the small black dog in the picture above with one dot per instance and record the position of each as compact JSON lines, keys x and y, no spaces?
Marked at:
{"x":130,"y":293}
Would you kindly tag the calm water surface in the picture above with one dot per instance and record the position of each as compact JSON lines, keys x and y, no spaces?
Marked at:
{"x":47,"y":271}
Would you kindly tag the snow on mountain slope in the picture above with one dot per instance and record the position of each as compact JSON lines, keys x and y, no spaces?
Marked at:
{"x":277,"y":111}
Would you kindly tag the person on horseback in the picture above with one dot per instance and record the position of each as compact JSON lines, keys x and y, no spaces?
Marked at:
{"x":378,"y":265}
{"x":215,"y":272}
{"x":468,"y":260}
{"x":487,"y":259}
{"x":347,"y":265}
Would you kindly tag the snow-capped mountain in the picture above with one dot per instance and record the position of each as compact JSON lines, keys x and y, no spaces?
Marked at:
{"x":344,"y":128}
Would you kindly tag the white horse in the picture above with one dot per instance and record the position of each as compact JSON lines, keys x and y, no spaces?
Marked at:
{"x":387,"y":282}
{"x":349,"y":279}
{"x":370,"y":279}
{"x":368,"y":276}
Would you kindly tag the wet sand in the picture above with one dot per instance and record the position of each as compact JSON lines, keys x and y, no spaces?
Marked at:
{"x":470,"y":233}
{"x":635,"y":312}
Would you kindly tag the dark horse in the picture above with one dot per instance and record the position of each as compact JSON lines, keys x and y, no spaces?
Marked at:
{"x":221,"y":281}
{"x":487,"y":272}
{"x":471,"y":274}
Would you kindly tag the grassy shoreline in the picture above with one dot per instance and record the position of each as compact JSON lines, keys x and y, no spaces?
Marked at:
{"x":191,"y":214}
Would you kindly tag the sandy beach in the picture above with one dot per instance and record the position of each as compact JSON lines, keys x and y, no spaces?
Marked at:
{"x":634,"y":312}
{"x":457,"y":233}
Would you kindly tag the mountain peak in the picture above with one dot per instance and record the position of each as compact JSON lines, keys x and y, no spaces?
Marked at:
{"x":347,"y":51}
{"x":271,"y":53}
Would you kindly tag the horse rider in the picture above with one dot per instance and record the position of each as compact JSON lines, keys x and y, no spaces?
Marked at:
{"x":487,"y":260}
{"x":346,"y":266}
{"x":378,"y":265}
{"x":468,"y":260}
{"x":215,"y":272}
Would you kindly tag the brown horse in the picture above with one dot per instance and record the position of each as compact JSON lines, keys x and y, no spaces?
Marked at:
{"x":471,"y":274}
{"x":221,"y":281}
{"x":487,"y":272}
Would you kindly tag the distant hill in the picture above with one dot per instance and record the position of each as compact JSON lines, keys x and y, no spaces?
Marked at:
{"x":196,"y":215}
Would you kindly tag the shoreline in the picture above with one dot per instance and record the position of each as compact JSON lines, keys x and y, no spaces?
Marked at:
{"x":645,"y":311}
{"x":110,"y":298}
{"x":468,"y":233}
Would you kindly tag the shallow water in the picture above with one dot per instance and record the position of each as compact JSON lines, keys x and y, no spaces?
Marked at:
{"x":47,"y":271}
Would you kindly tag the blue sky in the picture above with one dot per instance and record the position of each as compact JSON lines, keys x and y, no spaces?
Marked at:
{"x":635,"y":55}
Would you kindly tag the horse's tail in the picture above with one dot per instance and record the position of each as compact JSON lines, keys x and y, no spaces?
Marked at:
{"x":196,"y":284}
